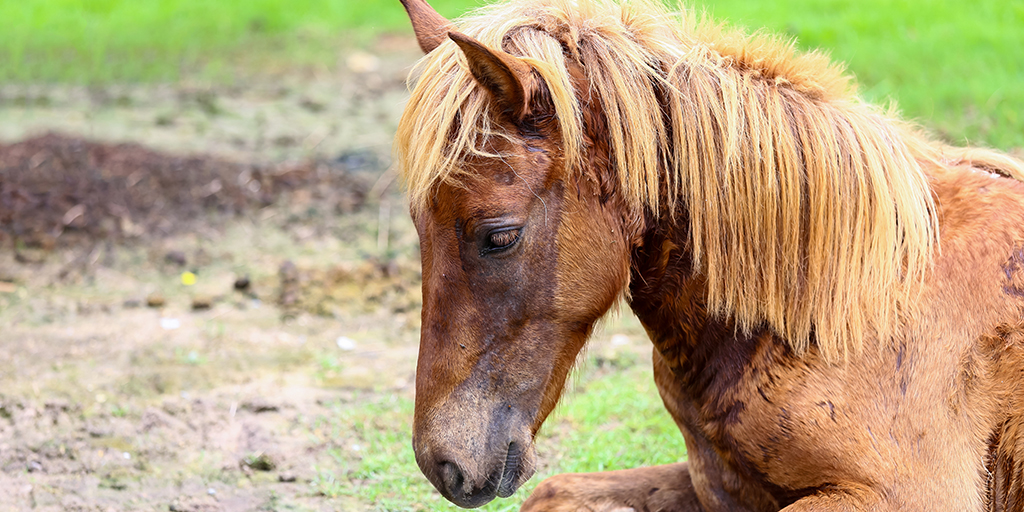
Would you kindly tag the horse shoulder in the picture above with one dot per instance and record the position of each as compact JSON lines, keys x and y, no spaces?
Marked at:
{"x":973,"y":306}
{"x":978,"y":274}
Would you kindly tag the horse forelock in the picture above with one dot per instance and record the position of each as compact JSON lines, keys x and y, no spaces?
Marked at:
{"x":809,"y":211}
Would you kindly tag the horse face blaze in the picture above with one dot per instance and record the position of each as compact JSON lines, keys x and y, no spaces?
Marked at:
{"x":516,"y":270}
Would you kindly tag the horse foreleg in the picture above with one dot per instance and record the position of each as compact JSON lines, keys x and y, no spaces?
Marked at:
{"x":656,"y":489}
{"x":849,"y":499}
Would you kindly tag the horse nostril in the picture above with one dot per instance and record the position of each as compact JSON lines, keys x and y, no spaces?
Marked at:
{"x":451,"y":477}
{"x":507,"y":480}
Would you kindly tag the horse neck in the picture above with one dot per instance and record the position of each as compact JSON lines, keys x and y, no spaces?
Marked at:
{"x":670,"y":300}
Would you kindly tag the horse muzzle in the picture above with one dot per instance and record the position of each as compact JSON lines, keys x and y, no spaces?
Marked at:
{"x":470,"y":475}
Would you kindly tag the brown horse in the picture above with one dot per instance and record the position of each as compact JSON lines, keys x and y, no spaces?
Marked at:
{"x":836,"y":301}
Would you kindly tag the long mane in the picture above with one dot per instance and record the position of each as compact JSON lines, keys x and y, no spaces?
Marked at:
{"x":809,"y":211}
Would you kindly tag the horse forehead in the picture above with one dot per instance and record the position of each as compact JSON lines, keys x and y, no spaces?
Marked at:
{"x":528,"y":162}
{"x":501,"y":195}
{"x":510,"y":182}
{"x":475,"y":197}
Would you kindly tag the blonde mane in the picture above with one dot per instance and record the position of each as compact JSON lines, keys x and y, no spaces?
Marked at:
{"x":809,"y":211}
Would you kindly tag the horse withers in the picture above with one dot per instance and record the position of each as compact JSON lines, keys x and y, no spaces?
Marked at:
{"x":836,"y":301}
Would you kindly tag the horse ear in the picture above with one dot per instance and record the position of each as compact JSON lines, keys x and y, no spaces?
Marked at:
{"x":503,"y":75}
{"x":429,"y":26}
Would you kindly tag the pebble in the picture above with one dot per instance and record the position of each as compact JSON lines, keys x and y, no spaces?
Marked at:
{"x":200,"y":302}
{"x":156,"y":300}
{"x":170,"y":324}
{"x":176,"y":258}
{"x":346,"y":343}
{"x":242,"y":283}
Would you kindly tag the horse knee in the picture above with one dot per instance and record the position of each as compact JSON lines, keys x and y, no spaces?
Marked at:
{"x":553,"y":494}
{"x":570,"y":493}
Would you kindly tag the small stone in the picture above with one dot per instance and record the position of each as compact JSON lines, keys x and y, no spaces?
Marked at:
{"x":155,"y":300}
{"x":195,"y":504}
{"x":170,"y":324}
{"x":201,"y":302}
{"x":260,"y":462}
{"x":176,"y":257}
{"x":258,"y":405}
{"x":345,"y":343}
{"x":242,"y":283}
{"x":286,"y":477}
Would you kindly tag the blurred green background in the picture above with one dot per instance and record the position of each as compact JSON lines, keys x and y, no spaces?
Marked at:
{"x":955,"y":67}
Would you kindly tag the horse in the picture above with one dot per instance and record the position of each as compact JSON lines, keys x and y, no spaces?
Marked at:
{"x":835,"y":299}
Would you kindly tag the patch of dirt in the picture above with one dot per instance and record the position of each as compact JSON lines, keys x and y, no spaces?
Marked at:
{"x":61,"y":191}
{"x":192,"y":284}
{"x":109,"y":404}
{"x":369,"y":285}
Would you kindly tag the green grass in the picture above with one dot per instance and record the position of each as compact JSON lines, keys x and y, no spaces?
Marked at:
{"x":613,"y":420}
{"x":956,"y":67}
{"x":112,"y":40}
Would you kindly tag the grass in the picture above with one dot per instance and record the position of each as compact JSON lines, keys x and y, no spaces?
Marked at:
{"x":952,"y":66}
{"x":613,"y":420}
{"x":113,"y":40}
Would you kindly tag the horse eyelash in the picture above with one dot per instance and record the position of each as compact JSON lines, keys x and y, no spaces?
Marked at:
{"x":504,"y":238}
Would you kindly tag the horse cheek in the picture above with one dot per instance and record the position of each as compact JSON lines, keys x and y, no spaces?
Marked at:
{"x":593,"y":263}
{"x":592,"y":271}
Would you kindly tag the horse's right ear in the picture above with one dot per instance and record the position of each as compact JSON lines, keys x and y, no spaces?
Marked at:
{"x":430,"y":27}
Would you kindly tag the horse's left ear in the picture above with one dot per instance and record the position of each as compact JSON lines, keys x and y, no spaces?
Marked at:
{"x":430,"y":27}
{"x":502,"y":74}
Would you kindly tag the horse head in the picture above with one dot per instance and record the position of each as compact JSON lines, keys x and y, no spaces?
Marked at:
{"x":520,"y":259}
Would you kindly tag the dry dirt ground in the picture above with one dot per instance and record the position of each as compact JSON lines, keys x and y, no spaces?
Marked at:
{"x":191,"y":279}
{"x":195,"y":283}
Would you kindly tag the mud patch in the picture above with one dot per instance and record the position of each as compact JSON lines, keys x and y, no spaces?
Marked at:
{"x":61,"y":191}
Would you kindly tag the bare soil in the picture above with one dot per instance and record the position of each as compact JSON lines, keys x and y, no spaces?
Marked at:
{"x":192,"y":278}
